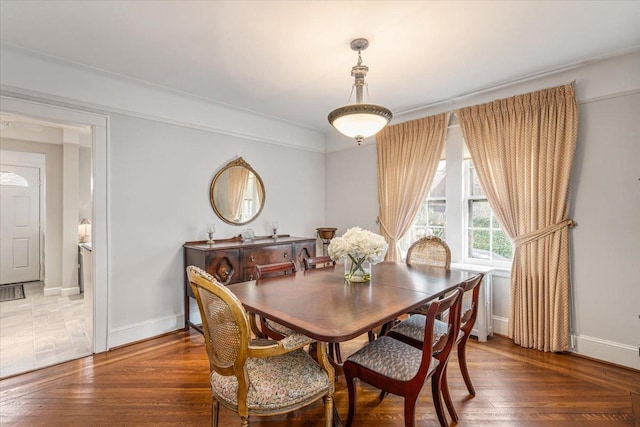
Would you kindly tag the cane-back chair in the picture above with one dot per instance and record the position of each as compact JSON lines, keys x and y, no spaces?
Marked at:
{"x":430,"y":251}
{"x":255,"y":376}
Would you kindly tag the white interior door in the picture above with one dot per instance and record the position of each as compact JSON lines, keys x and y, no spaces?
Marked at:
{"x":19,"y":224}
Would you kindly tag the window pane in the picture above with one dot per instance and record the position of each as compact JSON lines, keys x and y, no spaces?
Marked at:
{"x":479,"y":244}
{"x":494,"y":222}
{"x":476,"y":189}
{"x":437,"y":212}
{"x":418,"y":233}
{"x":479,"y":213}
{"x":502,"y":250}
{"x":439,"y":184}
{"x":10,"y":179}
{"x":439,"y":232}
{"x":421,"y":218}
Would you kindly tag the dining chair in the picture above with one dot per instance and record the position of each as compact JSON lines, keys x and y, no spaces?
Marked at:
{"x":430,"y":251}
{"x":276,"y":269}
{"x":410,"y":331}
{"x":254,"y":376}
{"x":269,"y":328}
{"x":399,"y":368}
{"x":318,"y":262}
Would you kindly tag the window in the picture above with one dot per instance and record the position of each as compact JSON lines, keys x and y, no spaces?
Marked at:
{"x":485,"y":240}
{"x":456,"y":209}
{"x":10,"y":179}
{"x":431,"y":219}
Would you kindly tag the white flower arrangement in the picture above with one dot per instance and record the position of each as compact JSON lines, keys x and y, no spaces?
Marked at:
{"x":359,"y":245}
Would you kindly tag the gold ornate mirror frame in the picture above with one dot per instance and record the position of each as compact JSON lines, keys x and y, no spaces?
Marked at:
{"x":237,"y":193}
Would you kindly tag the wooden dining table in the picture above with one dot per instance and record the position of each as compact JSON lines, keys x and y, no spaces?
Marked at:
{"x":323,"y":306}
{"x":320,"y":304}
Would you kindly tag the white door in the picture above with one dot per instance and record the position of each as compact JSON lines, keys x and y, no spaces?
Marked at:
{"x":19,"y":224}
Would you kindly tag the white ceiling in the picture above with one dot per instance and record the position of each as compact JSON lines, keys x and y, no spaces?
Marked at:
{"x":291,"y":59}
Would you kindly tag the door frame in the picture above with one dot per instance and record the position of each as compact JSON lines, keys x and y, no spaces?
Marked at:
{"x":33,"y":160}
{"x":42,"y":109}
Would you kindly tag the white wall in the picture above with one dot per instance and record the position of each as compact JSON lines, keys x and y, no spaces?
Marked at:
{"x":605,"y":202}
{"x":159,"y":198}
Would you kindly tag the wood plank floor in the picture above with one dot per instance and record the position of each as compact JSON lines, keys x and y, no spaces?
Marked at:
{"x":164,"y":382}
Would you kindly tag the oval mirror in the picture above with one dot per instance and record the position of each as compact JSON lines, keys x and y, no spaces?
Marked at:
{"x":237,"y":193}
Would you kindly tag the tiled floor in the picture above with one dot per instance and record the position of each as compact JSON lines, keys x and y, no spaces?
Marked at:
{"x":40,"y":331}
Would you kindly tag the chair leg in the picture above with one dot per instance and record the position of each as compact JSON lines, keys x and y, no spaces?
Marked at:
{"x":335,"y":350}
{"x":462,"y":360}
{"x":436,"y":387}
{"x":383,"y":394}
{"x":447,"y":396}
{"x":328,"y":410}
{"x":215,"y":406}
{"x":371,"y":336}
{"x":410,"y":410}
{"x":352,"y":399}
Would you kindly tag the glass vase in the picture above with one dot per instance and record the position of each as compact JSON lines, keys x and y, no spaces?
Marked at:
{"x":357,"y":269}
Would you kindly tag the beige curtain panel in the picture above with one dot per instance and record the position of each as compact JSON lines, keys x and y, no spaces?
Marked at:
{"x":408,"y":156}
{"x":522,"y":148}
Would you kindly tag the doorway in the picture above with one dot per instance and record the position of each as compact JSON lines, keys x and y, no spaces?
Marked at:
{"x":95,"y":307}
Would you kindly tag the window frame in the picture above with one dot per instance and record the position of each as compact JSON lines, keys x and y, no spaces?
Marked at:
{"x":467,"y":200}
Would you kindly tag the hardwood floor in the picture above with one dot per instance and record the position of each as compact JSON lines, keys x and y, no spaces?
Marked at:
{"x":164,"y":381}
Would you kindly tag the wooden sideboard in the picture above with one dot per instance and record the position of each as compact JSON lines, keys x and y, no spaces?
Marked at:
{"x":233,"y":260}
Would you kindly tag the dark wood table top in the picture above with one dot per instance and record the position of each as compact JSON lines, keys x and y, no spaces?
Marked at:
{"x":319,"y":304}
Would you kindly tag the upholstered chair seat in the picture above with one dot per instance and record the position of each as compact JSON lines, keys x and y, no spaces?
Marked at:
{"x":391,"y":358}
{"x":276,"y":383}
{"x":413,"y":328}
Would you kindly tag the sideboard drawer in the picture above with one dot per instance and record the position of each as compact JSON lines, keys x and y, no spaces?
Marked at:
{"x":267,"y":255}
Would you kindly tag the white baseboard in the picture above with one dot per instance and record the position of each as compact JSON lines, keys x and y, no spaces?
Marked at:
{"x":51,"y":292}
{"x":69,"y":291}
{"x":595,"y":348}
{"x":500,"y":325}
{"x":608,"y":351}
{"x":144,"y":330}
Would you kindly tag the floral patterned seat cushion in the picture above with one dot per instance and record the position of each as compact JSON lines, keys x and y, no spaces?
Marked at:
{"x":279,"y":328}
{"x":413,"y":327}
{"x":275,"y":382}
{"x":391,"y":358}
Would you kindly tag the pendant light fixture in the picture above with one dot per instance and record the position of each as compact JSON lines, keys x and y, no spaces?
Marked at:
{"x":359,"y":120}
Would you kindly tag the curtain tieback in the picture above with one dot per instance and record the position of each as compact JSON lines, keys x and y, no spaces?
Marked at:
{"x":523,"y":239}
{"x":385,"y":230}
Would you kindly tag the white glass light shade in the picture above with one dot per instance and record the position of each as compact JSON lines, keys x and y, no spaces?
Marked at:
{"x":360,"y":120}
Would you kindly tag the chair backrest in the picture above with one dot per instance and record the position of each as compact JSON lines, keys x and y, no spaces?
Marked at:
{"x":469,"y":315}
{"x":318,"y":262}
{"x":277,"y":269}
{"x":445,"y":338}
{"x":224,"y":322}
{"x":430,"y":251}
{"x":443,"y":344}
